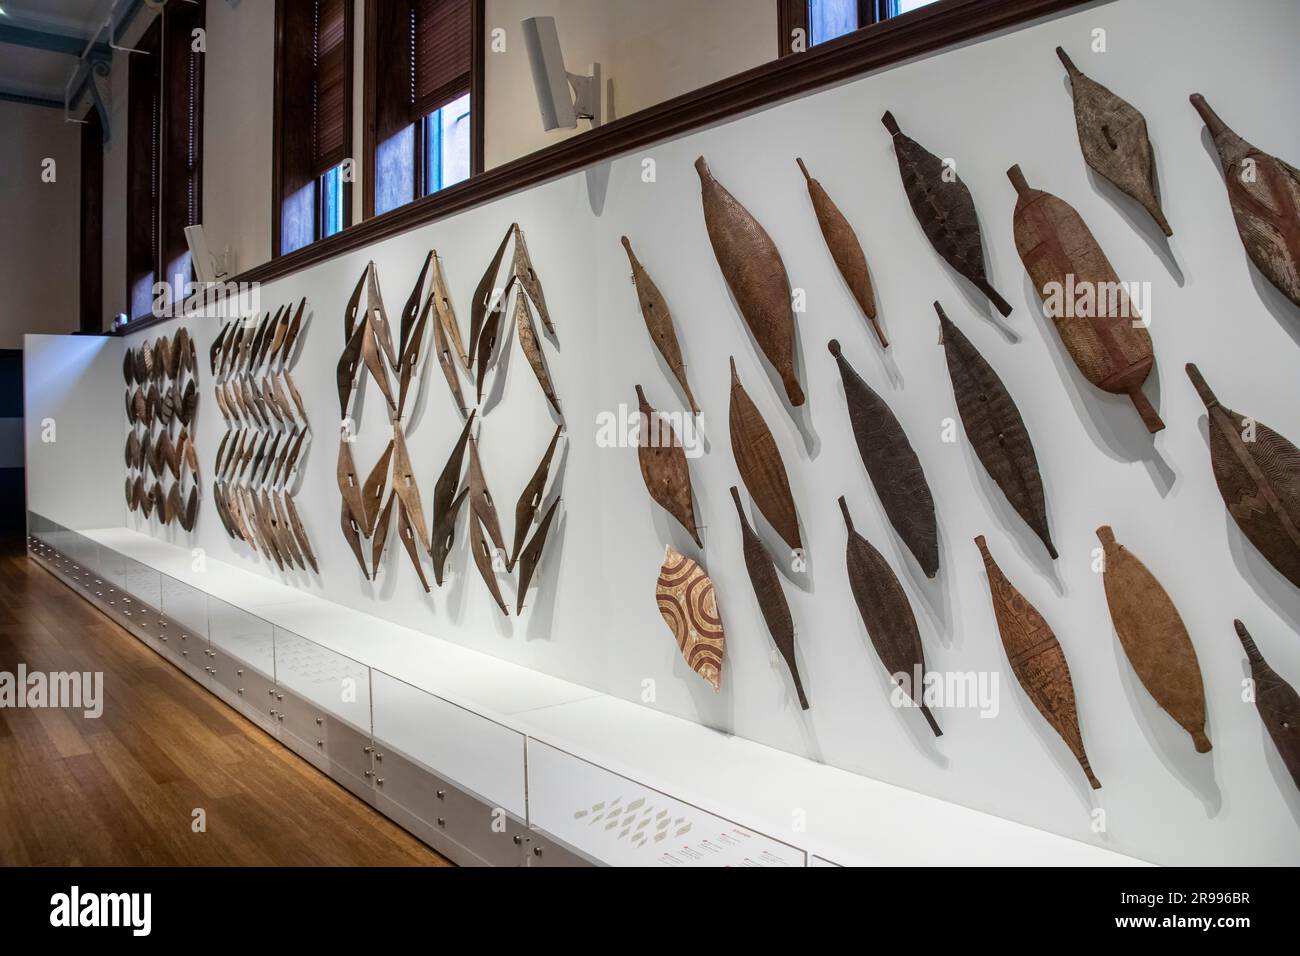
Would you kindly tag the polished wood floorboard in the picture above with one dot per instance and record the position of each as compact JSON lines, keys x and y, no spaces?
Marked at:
{"x":122,"y":789}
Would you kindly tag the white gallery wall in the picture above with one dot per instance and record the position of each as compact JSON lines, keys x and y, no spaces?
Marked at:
{"x":40,"y":242}
{"x":591,"y":616}
{"x":71,"y":430}
{"x":648,"y":52}
{"x":651,"y":51}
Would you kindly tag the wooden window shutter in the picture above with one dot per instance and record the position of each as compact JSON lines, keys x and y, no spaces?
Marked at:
{"x":92,"y":223}
{"x":441,"y":39}
{"x":330,"y":106}
{"x":144,"y":78}
{"x":296,"y":126}
{"x":182,"y":142}
{"x":394,"y":81}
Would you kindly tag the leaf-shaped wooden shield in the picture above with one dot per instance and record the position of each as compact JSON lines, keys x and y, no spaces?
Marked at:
{"x":755,"y":273}
{"x":995,"y":429}
{"x":532,"y":346}
{"x":532,"y":554}
{"x":483,"y":293}
{"x":407,"y":534}
{"x":352,"y":534}
{"x":945,"y":210}
{"x":527,"y":278}
{"x":1259,"y":480}
{"x":771,"y":599}
{"x":659,"y":323}
{"x":483,"y":560}
{"x":444,"y":489}
{"x":531,"y":499}
{"x":887,"y":614}
{"x":845,"y":249}
{"x":1036,"y":659}
{"x":1264,"y":192}
{"x":299,"y":532}
{"x":372,"y":490}
{"x":663,"y":466}
{"x":892,"y":466}
{"x":480,"y":498}
{"x":1154,"y":638}
{"x":406,"y":488}
{"x":349,"y":361}
{"x":689,"y":607}
{"x":444,"y":535}
{"x":1083,"y":296}
{"x":1277,"y":703}
{"x":446,"y":312}
{"x":1113,"y":138}
{"x":760,"y":465}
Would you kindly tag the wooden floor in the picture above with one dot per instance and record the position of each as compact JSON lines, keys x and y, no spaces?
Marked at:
{"x":121,"y":790}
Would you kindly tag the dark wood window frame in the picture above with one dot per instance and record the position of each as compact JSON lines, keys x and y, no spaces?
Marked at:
{"x":159,"y":80}
{"x":143,"y":134}
{"x":928,"y":30}
{"x":91,"y":266}
{"x":181,"y":143}
{"x":280,"y":109}
{"x":793,"y":15}
{"x":371,"y":95}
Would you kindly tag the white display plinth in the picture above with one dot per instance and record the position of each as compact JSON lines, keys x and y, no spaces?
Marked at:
{"x":584,"y":745}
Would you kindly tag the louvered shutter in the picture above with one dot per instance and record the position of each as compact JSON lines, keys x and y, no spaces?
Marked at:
{"x":440,"y":54}
{"x":330,"y":105}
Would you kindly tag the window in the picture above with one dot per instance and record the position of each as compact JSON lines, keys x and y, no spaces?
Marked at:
{"x":822,"y":20}
{"x":144,"y":119}
{"x":92,"y":223}
{"x":182,"y":140}
{"x":421,"y":115}
{"x":164,"y":154}
{"x":312,"y":195}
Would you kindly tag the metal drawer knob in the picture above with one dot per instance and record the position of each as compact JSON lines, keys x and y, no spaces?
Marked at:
{"x":320,"y":743}
{"x":379,"y":780}
{"x":519,"y":841}
{"x":442,"y":821}
{"x":537,"y":851}
{"x":239,"y":672}
{"x":442,"y":794}
{"x":368,"y":750}
{"x":319,"y":721}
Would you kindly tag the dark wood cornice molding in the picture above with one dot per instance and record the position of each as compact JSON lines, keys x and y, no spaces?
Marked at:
{"x":923,"y":31}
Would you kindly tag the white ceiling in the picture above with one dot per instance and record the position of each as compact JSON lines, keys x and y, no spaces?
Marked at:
{"x":43,"y":73}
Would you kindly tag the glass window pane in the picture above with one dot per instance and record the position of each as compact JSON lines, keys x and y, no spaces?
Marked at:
{"x":903,"y":6}
{"x":298,"y":219}
{"x":142,"y":297}
{"x":455,"y":141}
{"x":332,"y":201}
{"x":178,"y":276}
{"x":446,"y":139}
{"x":828,"y":19}
{"x":395,"y":170}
